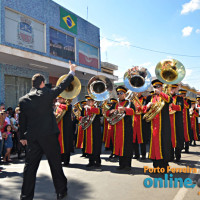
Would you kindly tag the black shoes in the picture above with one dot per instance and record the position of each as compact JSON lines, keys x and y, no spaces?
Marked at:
{"x":136,"y":157}
{"x":90,"y":165}
{"x":97,"y":164}
{"x":61,"y":196}
{"x":66,"y":164}
{"x":111,"y":155}
{"x":84,"y":155}
{"x":93,"y":165}
{"x":143,"y":158}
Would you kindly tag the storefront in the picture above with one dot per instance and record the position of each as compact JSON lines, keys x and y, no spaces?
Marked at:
{"x":40,"y":36}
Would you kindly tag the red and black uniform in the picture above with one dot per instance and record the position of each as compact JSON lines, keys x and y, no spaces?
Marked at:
{"x":93,"y":136}
{"x":110,"y":136}
{"x":123,"y":134}
{"x":65,"y":136}
{"x":177,"y":131}
{"x":109,"y":139}
{"x":80,"y":144}
{"x":194,"y":124}
{"x":198,"y":106}
{"x":105,"y":129}
{"x":80,"y":137}
{"x":139,"y":130}
{"x":160,"y":140}
{"x":187,"y":124}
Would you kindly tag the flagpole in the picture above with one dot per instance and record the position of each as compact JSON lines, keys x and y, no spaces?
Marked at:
{"x":87,"y":13}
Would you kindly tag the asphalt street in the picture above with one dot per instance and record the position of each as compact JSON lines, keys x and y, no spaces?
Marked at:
{"x":107,"y":182}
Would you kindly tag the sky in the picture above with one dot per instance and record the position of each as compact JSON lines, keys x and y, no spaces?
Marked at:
{"x":128,"y":27}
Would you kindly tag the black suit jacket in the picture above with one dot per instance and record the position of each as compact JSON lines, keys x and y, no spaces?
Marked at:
{"x":36,"y":117}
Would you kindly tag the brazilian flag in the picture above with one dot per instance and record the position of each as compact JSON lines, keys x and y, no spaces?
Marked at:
{"x":68,"y":21}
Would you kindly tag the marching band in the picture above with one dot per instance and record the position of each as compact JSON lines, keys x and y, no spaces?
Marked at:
{"x":166,"y":120}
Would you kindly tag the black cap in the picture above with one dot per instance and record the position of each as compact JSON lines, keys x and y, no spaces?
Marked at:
{"x":121,"y":88}
{"x":156,"y":82}
{"x":181,"y":91}
{"x":87,"y":97}
{"x":113,"y":100}
{"x":174,"y":85}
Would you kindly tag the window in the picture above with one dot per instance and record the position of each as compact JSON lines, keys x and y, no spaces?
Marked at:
{"x":15,"y":87}
{"x":23,"y":31}
{"x":62,"y":45}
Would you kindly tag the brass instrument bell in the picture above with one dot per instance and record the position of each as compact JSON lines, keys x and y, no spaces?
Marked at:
{"x":73,"y":90}
{"x":170,"y":71}
{"x":137,"y":79}
{"x":99,"y":88}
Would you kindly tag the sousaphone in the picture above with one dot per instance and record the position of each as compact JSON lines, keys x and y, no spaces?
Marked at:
{"x":168,"y":71}
{"x":99,"y":88}
{"x":136,"y":79}
{"x":71,"y":92}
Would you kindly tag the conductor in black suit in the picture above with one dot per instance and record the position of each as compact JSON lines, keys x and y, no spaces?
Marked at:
{"x":39,"y":131}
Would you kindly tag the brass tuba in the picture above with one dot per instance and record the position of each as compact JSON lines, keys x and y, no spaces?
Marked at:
{"x":136,"y":79}
{"x":105,"y":107}
{"x":77,"y":108}
{"x":71,"y":92}
{"x":169,"y":71}
{"x":99,"y":88}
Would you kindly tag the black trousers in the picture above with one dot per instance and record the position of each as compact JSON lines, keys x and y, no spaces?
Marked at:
{"x":187,"y":144}
{"x":84,"y":142}
{"x":160,"y":163}
{"x":125,"y":161}
{"x":142,"y":147}
{"x":94,"y":159}
{"x":65,"y":157}
{"x":49,"y":146}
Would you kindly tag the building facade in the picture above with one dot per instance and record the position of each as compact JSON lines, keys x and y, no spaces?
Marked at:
{"x":41,"y":36}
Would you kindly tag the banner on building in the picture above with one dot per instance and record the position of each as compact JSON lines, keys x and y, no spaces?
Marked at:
{"x":68,"y":21}
{"x":88,"y":55}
